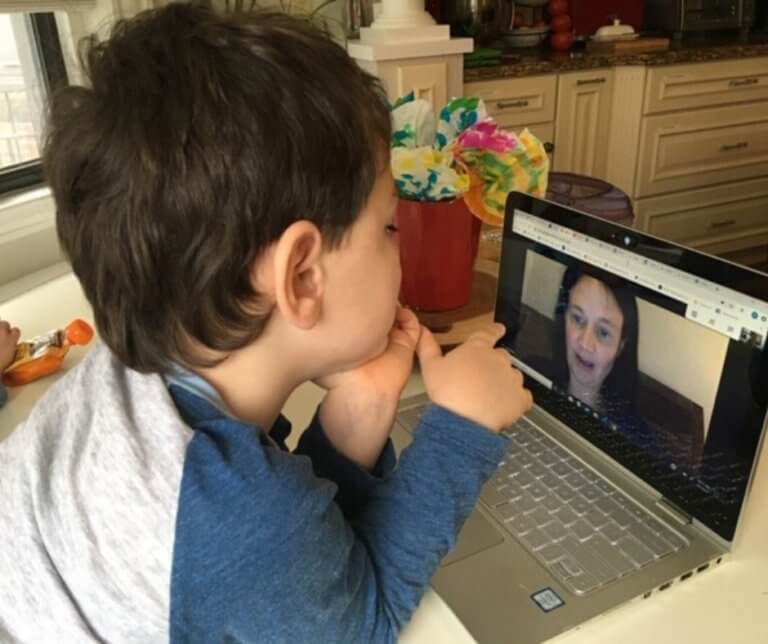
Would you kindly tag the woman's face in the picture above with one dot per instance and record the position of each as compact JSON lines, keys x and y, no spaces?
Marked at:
{"x":593,"y":327}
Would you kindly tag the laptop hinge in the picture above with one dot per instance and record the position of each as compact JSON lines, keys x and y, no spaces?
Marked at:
{"x":680,"y":515}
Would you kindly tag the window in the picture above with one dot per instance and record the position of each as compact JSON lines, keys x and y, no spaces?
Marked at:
{"x":31,"y":66}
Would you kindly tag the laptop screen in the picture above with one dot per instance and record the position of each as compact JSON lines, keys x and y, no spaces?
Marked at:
{"x":652,"y":352}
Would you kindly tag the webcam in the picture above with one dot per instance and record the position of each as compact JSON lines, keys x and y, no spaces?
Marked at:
{"x":625,"y":239}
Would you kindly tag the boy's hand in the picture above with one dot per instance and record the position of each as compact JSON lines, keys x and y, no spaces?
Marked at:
{"x":475,"y":380}
{"x":9,"y":336}
{"x":358,"y":411}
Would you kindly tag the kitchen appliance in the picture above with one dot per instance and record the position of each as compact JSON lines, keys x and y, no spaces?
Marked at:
{"x":483,"y":20}
{"x":685,"y":16}
{"x":589,"y":15}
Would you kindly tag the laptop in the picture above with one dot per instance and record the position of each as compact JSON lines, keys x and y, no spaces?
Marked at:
{"x":647,"y":363}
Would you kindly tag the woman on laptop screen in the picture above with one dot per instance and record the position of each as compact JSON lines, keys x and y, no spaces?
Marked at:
{"x":595,"y":347}
{"x":596,"y":335}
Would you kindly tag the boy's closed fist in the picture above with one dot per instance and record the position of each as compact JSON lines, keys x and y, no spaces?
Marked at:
{"x":475,"y":380}
{"x":9,"y":337}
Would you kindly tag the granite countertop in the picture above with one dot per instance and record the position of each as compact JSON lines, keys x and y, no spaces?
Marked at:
{"x":541,"y":60}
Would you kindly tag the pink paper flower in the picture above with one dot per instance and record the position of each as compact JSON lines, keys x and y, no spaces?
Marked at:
{"x":486,"y":135}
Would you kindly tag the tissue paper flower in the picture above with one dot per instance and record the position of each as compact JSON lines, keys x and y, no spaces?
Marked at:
{"x":464,"y":153}
{"x":495,"y":174}
{"x":486,"y":135}
{"x":425,"y":174}
{"x":458,"y":115}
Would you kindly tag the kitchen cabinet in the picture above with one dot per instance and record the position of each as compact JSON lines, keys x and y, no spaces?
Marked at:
{"x":714,"y":219}
{"x":434,"y":79}
{"x":700,"y":175}
{"x":582,"y":121}
{"x":686,"y":87}
{"x":688,"y":143}
{"x":697,"y":148}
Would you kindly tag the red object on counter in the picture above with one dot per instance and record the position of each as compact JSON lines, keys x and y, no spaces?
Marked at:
{"x":561,"y":23}
{"x":557,"y":8}
{"x":589,"y":15}
{"x":561,"y":40}
{"x":438,"y":248}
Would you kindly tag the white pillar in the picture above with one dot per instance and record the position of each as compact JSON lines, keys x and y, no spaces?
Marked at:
{"x":403,"y":21}
{"x":409,"y":52}
{"x":403,"y":13}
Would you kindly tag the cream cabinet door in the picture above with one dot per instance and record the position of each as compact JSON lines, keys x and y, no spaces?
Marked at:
{"x":582,"y":123}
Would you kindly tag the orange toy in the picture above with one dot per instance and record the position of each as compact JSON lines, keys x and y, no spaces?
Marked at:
{"x":44,"y":355}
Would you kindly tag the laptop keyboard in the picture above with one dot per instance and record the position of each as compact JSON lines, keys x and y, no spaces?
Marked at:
{"x":576,"y":523}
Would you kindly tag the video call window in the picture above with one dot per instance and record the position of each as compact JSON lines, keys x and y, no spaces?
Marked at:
{"x":634,"y":362}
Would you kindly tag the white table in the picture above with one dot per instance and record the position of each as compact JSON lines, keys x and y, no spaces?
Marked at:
{"x":728,"y":605}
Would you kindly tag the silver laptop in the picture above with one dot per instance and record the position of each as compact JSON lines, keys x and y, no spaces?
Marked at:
{"x":648,"y":367}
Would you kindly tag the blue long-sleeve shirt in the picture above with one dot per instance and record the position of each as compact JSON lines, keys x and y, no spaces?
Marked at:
{"x":139,"y":515}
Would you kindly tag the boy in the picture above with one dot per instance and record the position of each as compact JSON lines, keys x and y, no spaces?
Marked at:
{"x":224,"y":196}
{"x":9,"y":336}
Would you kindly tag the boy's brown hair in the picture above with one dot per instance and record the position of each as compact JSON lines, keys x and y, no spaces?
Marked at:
{"x":200,"y":139}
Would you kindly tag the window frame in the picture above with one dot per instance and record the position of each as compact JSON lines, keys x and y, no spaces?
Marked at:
{"x":47,"y":45}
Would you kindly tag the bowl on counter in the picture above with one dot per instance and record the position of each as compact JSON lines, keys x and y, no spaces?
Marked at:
{"x":525,"y":36}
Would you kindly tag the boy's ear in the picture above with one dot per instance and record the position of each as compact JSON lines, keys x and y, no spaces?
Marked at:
{"x":297,"y":274}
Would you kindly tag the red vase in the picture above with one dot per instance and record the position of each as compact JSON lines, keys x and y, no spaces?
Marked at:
{"x":438,"y":248}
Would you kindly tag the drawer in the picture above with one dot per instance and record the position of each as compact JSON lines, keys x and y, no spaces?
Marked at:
{"x":681,"y":87}
{"x":715,"y":219}
{"x":517,"y":101}
{"x":704,"y":147}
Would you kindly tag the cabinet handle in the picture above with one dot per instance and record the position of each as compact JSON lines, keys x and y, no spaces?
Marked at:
{"x":722,"y":224}
{"x":591,"y":81}
{"x":502,"y":105}
{"x":549,"y":148}
{"x":734,"y":146}
{"x":743,"y":82}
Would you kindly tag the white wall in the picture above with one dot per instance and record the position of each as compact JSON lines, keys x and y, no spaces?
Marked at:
{"x":541,"y":283}
{"x":679,"y":353}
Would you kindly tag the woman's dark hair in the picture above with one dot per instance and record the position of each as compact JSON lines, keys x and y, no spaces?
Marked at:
{"x":622,"y":380}
{"x":200,"y":138}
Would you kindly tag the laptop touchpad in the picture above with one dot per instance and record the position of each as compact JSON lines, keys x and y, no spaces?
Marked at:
{"x":476,"y":535}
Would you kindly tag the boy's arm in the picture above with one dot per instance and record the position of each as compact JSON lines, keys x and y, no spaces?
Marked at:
{"x":263,"y":552}
{"x":359,"y":409}
{"x":354,"y":481}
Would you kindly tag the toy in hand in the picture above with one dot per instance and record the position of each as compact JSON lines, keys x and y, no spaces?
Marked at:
{"x":42,"y":356}
{"x":9,"y":336}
